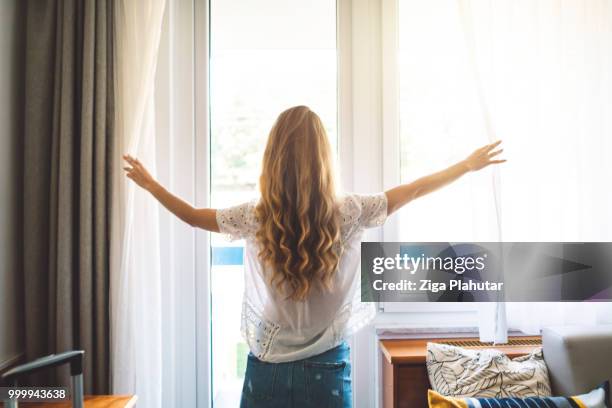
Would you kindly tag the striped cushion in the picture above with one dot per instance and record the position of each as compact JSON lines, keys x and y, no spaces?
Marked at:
{"x":598,"y":398}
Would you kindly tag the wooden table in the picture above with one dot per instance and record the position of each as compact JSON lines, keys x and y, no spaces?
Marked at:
{"x":404,"y":375}
{"x":91,"y":401}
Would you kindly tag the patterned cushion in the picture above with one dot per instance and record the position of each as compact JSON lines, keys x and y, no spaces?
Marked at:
{"x":487,"y":373}
{"x":598,"y":398}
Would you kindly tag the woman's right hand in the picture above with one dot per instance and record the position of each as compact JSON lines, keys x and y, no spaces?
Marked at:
{"x":205,"y":218}
{"x":138,"y":173}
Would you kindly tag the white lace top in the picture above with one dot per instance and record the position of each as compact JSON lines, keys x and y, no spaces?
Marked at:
{"x":278,"y":329}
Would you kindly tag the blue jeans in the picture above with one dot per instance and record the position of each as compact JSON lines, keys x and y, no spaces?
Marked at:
{"x":321,"y":381}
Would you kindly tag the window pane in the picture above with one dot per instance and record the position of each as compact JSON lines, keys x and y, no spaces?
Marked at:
{"x":266,"y":56}
{"x":440,"y":121}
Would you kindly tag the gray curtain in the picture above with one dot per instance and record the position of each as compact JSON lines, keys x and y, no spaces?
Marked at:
{"x":68,"y":140}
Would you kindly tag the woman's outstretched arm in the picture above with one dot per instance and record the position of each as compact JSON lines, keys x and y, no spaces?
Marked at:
{"x":401,"y":195}
{"x":205,"y":218}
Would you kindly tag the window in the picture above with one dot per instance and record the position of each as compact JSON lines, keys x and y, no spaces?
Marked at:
{"x":440,"y":123}
{"x":428,"y":81}
{"x":265,"y":57}
{"x":409,"y":104}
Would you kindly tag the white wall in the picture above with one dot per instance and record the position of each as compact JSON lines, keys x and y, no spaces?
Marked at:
{"x":12,"y":24}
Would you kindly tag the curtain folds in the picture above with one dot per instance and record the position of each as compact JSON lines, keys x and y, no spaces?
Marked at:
{"x":136,"y":330}
{"x":68,"y":138}
{"x":492,"y":317}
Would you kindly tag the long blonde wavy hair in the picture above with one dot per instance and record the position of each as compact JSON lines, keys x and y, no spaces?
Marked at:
{"x":298,"y":216}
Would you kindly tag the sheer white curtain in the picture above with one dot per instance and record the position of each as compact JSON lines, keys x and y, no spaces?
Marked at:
{"x":135,"y":262}
{"x":492,"y":316}
{"x":543,"y":73}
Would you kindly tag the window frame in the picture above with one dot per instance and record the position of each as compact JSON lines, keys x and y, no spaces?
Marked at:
{"x":369,"y":138}
{"x":391,"y":150}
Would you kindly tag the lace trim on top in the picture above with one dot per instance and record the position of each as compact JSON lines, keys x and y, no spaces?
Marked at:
{"x":259,"y":333}
{"x":238,"y":222}
{"x":373,"y":210}
{"x":352,"y":317}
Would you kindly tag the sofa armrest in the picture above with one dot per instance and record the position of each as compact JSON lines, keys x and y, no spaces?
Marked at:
{"x":579,"y":358}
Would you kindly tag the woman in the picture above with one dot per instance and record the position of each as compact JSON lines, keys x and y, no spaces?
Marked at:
{"x":301,"y":257}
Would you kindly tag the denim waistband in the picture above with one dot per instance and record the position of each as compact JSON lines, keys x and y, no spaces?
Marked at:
{"x":341,"y":352}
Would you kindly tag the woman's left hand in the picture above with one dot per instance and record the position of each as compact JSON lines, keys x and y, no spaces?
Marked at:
{"x":138,"y":173}
{"x":484,"y":157}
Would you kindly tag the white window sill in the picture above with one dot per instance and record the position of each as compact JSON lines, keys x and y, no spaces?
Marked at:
{"x":419,"y":332}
